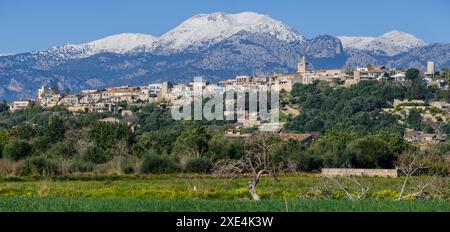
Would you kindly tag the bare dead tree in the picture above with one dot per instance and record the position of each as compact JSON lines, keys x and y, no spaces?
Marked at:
{"x":350,"y":185}
{"x":122,"y":149}
{"x":410,"y":164}
{"x":256,"y":161}
{"x":346,"y":184}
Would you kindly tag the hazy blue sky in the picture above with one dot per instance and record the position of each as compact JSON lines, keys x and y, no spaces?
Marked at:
{"x":32,"y":25}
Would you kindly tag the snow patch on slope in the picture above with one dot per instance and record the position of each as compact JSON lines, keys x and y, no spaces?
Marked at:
{"x":121,"y":43}
{"x":6,"y":54}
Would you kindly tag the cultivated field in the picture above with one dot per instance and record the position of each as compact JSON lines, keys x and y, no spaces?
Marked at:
{"x":205,"y":193}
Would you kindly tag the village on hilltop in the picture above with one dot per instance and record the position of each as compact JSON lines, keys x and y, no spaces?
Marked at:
{"x":109,"y":99}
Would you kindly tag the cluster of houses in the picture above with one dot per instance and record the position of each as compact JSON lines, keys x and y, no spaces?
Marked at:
{"x":431,"y":112}
{"x":382,"y":73}
{"x":110,"y":99}
{"x":286,"y":81}
{"x":107,"y":100}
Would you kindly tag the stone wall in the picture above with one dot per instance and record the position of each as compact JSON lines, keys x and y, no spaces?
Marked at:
{"x":359,"y":172}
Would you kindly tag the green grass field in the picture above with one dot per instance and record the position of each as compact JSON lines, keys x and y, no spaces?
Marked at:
{"x":201,"y":193}
{"x":143,"y":205}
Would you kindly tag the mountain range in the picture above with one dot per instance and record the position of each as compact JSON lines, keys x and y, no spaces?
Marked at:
{"x":216,"y":46}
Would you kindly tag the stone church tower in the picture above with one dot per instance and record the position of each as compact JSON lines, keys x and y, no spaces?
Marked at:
{"x":302,"y":66}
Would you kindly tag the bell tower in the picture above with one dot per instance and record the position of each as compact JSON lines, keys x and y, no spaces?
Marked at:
{"x":302,"y":66}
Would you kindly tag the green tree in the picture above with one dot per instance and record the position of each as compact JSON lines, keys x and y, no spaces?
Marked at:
{"x":370,"y":152}
{"x":95,"y":154}
{"x":5,"y":136}
{"x":414,"y":119}
{"x":25,"y":131}
{"x":152,"y":118}
{"x":55,"y":128}
{"x":412,"y":74}
{"x":156,"y":163}
{"x":418,"y":91}
{"x":291,"y":155}
{"x":220,"y":147}
{"x":329,"y":150}
{"x":192,"y":143}
{"x":62,"y":149}
{"x":395,"y":141}
{"x":446,"y":128}
{"x":40,"y":144}
{"x":3,"y":106}
{"x":158,"y":141}
{"x":198,"y":165}
{"x":17,"y":150}
{"x":106,"y":134}
{"x":446,"y":73}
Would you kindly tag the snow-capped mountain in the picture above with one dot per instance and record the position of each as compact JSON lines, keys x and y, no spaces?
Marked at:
{"x":120,"y":43}
{"x":208,"y":29}
{"x":217,"y":46}
{"x":198,"y":32}
{"x":390,"y":44}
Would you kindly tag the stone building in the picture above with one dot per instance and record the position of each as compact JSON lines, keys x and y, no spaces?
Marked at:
{"x":21,"y":104}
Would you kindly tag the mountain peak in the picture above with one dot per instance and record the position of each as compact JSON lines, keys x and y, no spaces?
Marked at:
{"x":395,"y":32}
{"x":208,"y":29}
{"x":402,"y":38}
{"x":390,"y":44}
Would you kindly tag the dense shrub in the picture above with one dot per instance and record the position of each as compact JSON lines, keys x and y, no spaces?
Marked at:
{"x":128,"y":168}
{"x":337,"y":150}
{"x":222,"y":148}
{"x":370,"y":152}
{"x":25,"y":132}
{"x":81,"y":166}
{"x":17,"y":150}
{"x":95,"y":154}
{"x":436,"y":162}
{"x":158,"y":141}
{"x":5,"y":135}
{"x":44,"y":166}
{"x":153,"y":163}
{"x":197,"y":165}
{"x":106,"y":134}
{"x":55,"y":128}
{"x":40,"y":144}
{"x":62,"y":149}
